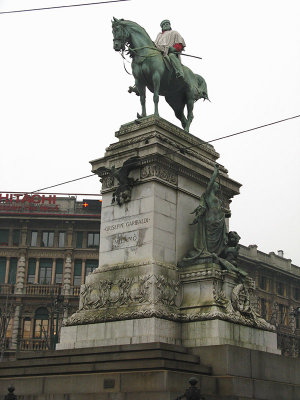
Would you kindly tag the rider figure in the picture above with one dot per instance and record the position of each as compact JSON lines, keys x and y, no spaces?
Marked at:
{"x":171,"y":43}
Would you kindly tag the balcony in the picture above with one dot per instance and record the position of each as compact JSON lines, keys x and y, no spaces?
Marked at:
{"x":6,"y":288}
{"x":34,"y":344}
{"x":75,"y":290}
{"x":43,"y":290}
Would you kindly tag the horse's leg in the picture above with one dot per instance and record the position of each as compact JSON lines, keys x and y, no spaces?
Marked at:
{"x":142,"y":91}
{"x":190,"y":115}
{"x":156,"y":85}
{"x":178,"y":107}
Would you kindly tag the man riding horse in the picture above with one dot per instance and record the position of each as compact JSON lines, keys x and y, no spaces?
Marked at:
{"x":157,"y":67}
{"x":171,"y":44}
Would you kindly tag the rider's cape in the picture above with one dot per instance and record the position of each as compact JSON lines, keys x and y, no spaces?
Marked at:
{"x":168,"y":39}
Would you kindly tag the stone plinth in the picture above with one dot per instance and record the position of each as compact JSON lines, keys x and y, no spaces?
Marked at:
{"x":138,"y":294}
{"x":153,"y":371}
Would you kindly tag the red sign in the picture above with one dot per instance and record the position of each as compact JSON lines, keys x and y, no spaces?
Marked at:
{"x":28,"y":203}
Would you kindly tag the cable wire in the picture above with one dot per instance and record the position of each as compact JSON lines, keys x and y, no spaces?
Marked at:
{"x":65,"y":6}
{"x":63,"y":183}
{"x":186,"y":148}
{"x":231,"y":135}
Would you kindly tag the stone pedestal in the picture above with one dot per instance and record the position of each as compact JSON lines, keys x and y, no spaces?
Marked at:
{"x":144,"y":324}
{"x":138,"y":294}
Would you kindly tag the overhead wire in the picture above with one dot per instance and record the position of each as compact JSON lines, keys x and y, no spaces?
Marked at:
{"x":63,"y":183}
{"x":64,"y":6}
{"x":231,"y":135}
{"x":182,"y":149}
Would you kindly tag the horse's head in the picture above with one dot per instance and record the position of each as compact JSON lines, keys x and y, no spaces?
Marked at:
{"x":120,"y":34}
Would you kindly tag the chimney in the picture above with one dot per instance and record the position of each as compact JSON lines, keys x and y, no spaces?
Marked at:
{"x":280,"y":253}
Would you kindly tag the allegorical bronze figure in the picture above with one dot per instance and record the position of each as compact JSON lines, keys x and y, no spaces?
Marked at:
{"x":211,"y":238}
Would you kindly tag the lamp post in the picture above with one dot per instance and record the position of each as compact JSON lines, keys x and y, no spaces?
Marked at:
{"x":57,"y":305}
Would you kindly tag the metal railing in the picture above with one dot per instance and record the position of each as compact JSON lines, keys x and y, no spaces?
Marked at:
{"x":7,"y":288}
{"x":34,"y":344}
{"x":75,"y":290}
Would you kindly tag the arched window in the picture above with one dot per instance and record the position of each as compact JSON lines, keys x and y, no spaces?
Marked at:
{"x":41,"y":323}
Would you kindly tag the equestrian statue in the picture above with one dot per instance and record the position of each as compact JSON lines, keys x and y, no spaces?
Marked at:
{"x":157,"y":66}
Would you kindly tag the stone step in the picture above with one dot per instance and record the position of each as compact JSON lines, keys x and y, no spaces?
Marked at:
{"x":117,"y":359}
{"x":89,"y":358}
{"x":104,"y":349}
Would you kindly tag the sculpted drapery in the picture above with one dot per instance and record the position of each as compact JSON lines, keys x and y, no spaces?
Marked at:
{"x":210,"y":235}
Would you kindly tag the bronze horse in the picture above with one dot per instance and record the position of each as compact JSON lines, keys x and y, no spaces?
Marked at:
{"x":152,"y":70}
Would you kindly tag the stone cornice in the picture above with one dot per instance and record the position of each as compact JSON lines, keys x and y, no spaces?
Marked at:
{"x":158,"y":122}
{"x":109,"y":315}
{"x":124,"y":266}
{"x":167,"y":170}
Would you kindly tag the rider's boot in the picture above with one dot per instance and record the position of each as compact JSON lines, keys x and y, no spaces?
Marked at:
{"x":176,"y":65}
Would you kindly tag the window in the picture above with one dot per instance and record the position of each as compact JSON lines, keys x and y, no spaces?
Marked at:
{"x":283,"y":314}
{"x":281,"y":289}
{"x":47,"y":239}
{"x":2,"y":269}
{"x":41,"y":323}
{"x":90,"y":265}
{"x":45,"y":273}
{"x":61,"y":239}
{"x":16,"y":237}
{"x":79,"y":239}
{"x":298,"y":322}
{"x":93,"y":239}
{"x":4,"y":237}
{"x":33,"y":241}
{"x":263,"y":308}
{"x":26,"y":328}
{"x":59,"y":271}
{"x":77,"y":273}
{"x":31,"y":270}
{"x":264,"y":283}
{"x":296,"y":293}
{"x":12,"y":274}
{"x":9,"y":328}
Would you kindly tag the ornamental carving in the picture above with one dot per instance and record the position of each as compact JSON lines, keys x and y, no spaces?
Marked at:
{"x":107,"y":182}
{"x":107,"y":293}
{"x":167,"y":290}
{"x":160,"y":172}
{"x":240,"y":298}
{"x":243,"y":302}
{"x":218,"y":294}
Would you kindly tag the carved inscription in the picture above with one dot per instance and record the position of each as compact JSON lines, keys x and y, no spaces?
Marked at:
{"x":119,"y":226}
{"x":123,"y":240}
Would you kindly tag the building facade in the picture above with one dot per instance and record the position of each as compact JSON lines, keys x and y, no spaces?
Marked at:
{"x":277,"y":283}
{"x":48,"y":245}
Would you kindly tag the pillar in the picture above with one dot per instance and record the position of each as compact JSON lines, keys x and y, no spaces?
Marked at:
{"x":20,"y":274}
{"x":67,"y":274}
{"x":15,"y":329}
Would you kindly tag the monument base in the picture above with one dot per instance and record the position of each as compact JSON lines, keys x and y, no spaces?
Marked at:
{"x":153,"y":371}
{"x":147,"y":330}
{"x":218,"y":332}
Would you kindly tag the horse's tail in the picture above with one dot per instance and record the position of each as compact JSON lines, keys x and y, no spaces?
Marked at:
{"x":201,"y":89}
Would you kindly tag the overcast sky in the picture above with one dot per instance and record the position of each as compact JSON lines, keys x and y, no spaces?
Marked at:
{"x":63,"y":94}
